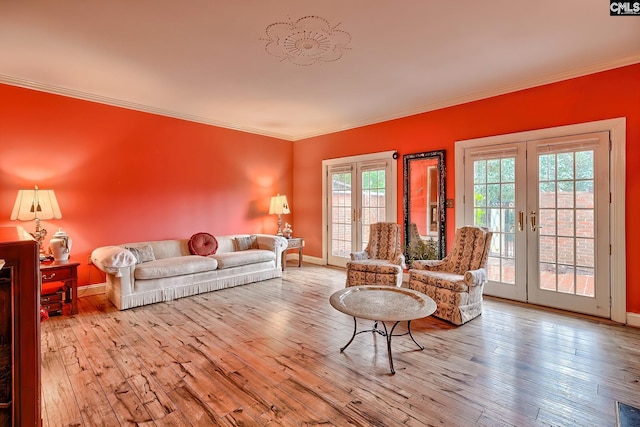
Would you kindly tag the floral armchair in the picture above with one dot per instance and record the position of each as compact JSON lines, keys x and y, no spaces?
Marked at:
{"x":382,"y":262}
{"x":456,"y":282}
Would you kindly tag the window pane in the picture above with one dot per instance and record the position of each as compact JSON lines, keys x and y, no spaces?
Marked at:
{"x":493,"y":170}
{"x":480,"y":195}
{"x":480,"y":171}
{"x":584,"y":165}
{"x":508,"y":171}
{"x":584,"y":194}
{"x":547,"y":195}
{"x":565,"y":166}
{"x":508,"y":195}
{"x":565,"y":194}
{"x":547,"y":167}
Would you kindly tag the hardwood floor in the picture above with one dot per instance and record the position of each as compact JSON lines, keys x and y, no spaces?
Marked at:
{"x":267,"y":354}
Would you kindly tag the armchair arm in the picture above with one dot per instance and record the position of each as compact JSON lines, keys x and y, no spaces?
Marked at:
{"x":359,"y":256}
{"x":475,"y":277}
{"x":428,"y":264}
{"x":112,"y":259}
{"x":400,"y":260}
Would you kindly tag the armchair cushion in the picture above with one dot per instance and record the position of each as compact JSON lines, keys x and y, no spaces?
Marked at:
{"x":382,"y":261}
{"x":430,"y":264}
{"x":442,"y":279}
{"x":359,"y":256}
{"x":375,"y":265}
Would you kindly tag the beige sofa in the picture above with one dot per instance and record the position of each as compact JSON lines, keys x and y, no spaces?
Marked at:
{"x":169,"y":271}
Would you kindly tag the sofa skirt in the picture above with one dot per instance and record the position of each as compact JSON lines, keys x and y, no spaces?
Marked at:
{"x":170,"y":288}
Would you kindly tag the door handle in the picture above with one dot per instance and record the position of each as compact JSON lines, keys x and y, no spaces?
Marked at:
{"x":534,"y":225}
{"x":521,"y":221}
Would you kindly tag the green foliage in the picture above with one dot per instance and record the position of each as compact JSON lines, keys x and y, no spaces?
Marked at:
{"x":374,"y":180}
{"x":422,"y":249}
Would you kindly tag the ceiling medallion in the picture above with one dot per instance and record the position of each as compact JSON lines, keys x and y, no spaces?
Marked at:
{"x":308,"y":40}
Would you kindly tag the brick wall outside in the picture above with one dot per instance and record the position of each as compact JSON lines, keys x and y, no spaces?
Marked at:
{"x":561,"y":221}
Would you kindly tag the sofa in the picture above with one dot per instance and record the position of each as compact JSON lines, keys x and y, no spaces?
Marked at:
{"x":148,"y":272}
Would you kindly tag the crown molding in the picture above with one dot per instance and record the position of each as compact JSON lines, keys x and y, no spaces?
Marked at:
{"x":489,"y":93}
{"x":495,"y":91}
{"x":71,"y":93}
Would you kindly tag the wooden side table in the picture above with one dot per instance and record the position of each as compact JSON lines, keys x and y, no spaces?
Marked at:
{"x":67,"y":273}
{"x":293,"y":243}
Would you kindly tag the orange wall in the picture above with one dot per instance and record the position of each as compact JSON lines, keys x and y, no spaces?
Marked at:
{"x":125,"y":176}
{"x":600,"y":96}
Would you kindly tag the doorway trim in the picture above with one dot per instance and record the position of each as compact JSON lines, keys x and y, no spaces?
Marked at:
{"x":354,"y":159}
{"x":618,"y":136}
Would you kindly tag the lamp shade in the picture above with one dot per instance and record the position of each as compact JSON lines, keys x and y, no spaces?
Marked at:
{"x":36,"y":204}
{"x":279,"y":205}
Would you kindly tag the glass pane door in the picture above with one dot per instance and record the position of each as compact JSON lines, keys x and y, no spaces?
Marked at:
{"x":373,"y":204}
{"x":547,"y":203}
{"x":569,"y":218}
{"x":340,"y":211}
{"x":358,"y":197}
{"x":498,"y":189}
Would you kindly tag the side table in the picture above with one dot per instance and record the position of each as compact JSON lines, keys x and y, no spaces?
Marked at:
{"x":65,"y":272}
{"x":293,"y":243}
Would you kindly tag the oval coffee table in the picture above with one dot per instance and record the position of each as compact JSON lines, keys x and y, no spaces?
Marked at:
{"x":383,"y":304}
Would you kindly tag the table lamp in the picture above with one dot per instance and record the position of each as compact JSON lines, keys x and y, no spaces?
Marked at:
{"x":279,"y":206}
{"x":35,"y":205}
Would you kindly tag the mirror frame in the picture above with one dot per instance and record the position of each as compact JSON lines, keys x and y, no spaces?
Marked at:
{"x":442,"y":226}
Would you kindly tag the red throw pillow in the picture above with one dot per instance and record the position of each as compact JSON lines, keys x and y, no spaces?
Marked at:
{"x":203,"y":244}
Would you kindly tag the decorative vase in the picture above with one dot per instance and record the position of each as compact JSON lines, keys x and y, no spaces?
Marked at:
{"x":60,"y":245}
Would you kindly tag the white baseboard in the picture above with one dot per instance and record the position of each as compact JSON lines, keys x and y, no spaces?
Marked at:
{"x":313,"y":260}
{"x":633,"y":319}
{"x":94,"y":289}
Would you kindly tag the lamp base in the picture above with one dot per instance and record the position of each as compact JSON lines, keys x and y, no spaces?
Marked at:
{"x":279,"y":233}
{"x":39,"y":234}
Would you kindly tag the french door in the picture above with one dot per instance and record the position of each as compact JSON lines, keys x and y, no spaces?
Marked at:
{"x":358,"y":192}
{"x":547,"y":202}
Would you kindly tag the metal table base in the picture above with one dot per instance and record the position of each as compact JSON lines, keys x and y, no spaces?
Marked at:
{"x":388,"y":334}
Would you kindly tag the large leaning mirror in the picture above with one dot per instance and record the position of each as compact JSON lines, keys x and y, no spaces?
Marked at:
{"x":424,"y":205}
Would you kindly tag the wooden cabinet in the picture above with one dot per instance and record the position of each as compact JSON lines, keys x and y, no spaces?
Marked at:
{"x":20,"y":392}
{"x":65,"y":272}
{"x":52,"y":302}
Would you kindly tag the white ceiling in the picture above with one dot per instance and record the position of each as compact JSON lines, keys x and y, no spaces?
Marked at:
{"x":206,"y":61}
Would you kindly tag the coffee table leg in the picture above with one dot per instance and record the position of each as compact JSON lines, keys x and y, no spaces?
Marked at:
{"x":389,"y":336}
{"x":411,"y":335}
{"x":355,"y":328}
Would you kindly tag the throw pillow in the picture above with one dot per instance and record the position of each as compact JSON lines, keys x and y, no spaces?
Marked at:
{"x":203,"y":244}
{"x":142,"y":253}
{"x":245,"y":243}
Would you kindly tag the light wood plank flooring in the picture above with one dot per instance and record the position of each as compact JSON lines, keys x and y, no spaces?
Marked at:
{"x":267,"y":354}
